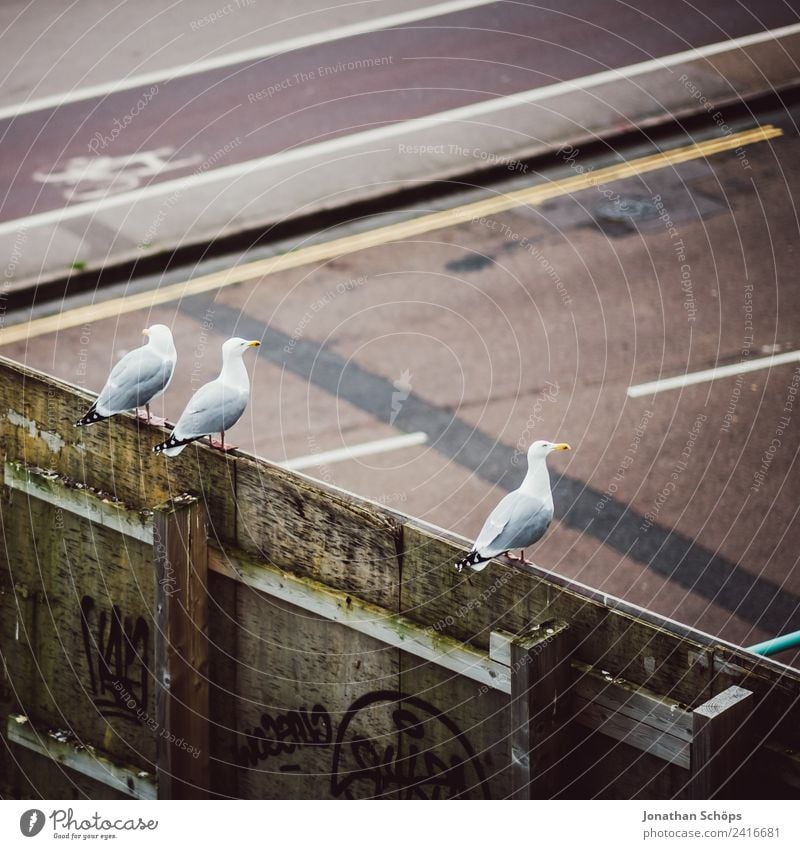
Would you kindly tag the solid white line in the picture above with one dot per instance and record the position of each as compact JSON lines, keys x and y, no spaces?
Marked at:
{"x":378,"y":446}
{"x":278,"y":47}
{"x":382,"y":133}
{"x":712,"y":374}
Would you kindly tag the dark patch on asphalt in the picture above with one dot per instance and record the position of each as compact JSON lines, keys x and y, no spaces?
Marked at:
{"x":469,"y":263}
{"x":663,"y":550}
{"x":627,"y":209}
{"x":623,"y":215}
{"x":674,"y":197}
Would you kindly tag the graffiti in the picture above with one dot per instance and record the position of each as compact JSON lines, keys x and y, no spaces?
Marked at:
{"x":404,"y":762}
{"x":116,"y":651}
{"x":285,"y":734}
{"x":388,"y":744}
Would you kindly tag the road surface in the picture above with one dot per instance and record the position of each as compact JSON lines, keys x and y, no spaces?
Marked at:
{"x":542,"y":319}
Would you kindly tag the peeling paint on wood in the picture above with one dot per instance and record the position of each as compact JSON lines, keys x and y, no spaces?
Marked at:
{"x":51,"y":439}
{"x":64,"y":748}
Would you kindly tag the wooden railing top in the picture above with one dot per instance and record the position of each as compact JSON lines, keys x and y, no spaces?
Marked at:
{"x":356,"y":545}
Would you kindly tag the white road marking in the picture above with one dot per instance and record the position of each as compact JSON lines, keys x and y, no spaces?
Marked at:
{"x":112,"y":174}
{"x":378,"y":446}
{"x":712,"y":374}
{"x":241,"y":56}
{"x":385,"y":132}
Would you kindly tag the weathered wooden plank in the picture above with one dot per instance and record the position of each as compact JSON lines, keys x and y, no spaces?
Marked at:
{"x":99,"y":508}
{"x":638,"y":651}
{"x":623,"y":727}
{"x":616,"y":694}
{"x":363,"y":617}
{"x":82,"y":603}
{"x":86,"y":760}
{"x":466,"y":608}
{"x":452,"y":736}
{"x":317,"y":532}
{"x":721,"y":744}
{"x":71,"y":586}
{"x":32,"y":776}
{"x":651,"y":724}
{"x":775,"y":687}
{"x":510,"y":598}
{"x":37,"y":415}
{"x":314,"y":716}
{"x":540,"y":711}
{"x":16,"y":660}
{"x":623,"y":711}
{"x":202,"y":471}
{"x":223,"y":663}
{"x":18,"y":607}
{"x":181,"y":651}
{"x":605,"y":768}
{"x":670,"y":659}
{"x":638,"y":703}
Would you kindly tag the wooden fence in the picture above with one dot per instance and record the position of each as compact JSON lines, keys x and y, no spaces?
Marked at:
{"x":214,"y":625}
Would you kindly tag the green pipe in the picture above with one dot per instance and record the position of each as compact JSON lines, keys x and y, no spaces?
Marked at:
{"x":776,"y":644}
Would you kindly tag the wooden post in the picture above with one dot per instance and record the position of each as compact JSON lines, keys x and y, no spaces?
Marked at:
{"x":181,"y":649}
{"x":720,"y":743}
{"x":540,"y":679}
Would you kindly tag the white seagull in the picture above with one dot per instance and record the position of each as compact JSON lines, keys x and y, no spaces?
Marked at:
{"x":215,"y":407}
{"x":138,"y":378}
{"x":522,"y":517}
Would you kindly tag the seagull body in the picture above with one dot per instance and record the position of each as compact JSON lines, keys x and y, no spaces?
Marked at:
{"x":217,"y":406}
{"x":522,"y":517}
{"x":138,"y":378}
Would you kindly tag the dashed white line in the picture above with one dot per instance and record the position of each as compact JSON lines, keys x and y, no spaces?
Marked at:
{"x":709,"y":374}
{"x":378,"y":446}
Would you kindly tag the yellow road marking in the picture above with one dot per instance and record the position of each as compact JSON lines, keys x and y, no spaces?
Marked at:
{"x":381,"y":235}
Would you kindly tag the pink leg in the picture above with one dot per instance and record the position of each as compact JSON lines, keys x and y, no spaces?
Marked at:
{"x":220,"y":443}
{"x":150,"y":419}
{"x":512,"y":559}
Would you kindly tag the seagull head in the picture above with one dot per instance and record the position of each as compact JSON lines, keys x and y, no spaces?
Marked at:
{"x":160,"y":337}
{"x":541,"y":448}
{"x":237,"y":346}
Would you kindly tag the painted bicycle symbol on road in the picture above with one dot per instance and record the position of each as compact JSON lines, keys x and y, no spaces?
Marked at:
{"x":94,"y":177}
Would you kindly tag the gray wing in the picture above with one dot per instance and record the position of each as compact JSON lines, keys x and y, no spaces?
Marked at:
{"x":134,"y":381}
{"x":518,"y":521}
{"x":212,"y":409}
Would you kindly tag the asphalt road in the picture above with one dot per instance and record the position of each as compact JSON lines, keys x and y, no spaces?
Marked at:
{"x":533,"y":323}
{"x":188,"y":126}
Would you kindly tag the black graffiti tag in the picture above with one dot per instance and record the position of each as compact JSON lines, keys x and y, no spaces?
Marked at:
{"x":404,"y":763}
{"x":284,"y":734}
{"x":116,"y":650}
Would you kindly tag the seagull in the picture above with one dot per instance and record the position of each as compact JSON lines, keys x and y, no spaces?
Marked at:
{"x":522,"y":517}
{"x":138,"y":378}
{"x":215,"y":407}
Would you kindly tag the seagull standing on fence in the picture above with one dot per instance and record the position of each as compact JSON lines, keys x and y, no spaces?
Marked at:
{"x":138,"y":378}
{"x":522,"y":517}
{"x":215,"y":407}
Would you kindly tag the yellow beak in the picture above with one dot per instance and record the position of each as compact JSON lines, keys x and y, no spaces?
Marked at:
{"x":561,"y":446}
{"x":254,"y":344}
{"x":146,"y":332}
